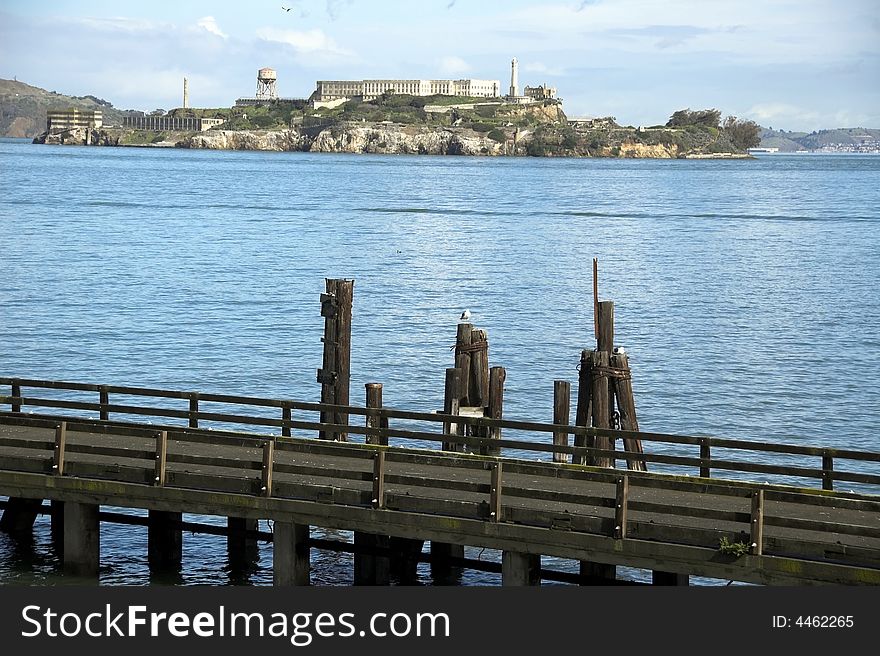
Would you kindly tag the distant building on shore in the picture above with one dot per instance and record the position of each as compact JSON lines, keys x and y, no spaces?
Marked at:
{"x":170,"y":123}
{"x":542,"y":92}
{"x":67,"y":119}
{"x":267,"y":91}
{"x":331,"y":90}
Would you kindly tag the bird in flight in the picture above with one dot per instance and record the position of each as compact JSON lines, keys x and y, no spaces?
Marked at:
{"x":465,"y":315}
{"x":285,"y":8}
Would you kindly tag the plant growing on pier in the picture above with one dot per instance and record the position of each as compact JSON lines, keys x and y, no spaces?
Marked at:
{"x":735,"y":549}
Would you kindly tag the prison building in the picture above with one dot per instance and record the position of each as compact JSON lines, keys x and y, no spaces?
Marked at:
{"x":182,"y":124}
{"x":328,"y":90}
{"x":67,"y":119}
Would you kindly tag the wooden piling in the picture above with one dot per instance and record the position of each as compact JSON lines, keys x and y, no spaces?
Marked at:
{"x":600,"y":406}
{"x":242,"y":549}
{"x":463,"y":359}
{"x":478,"y":386}
{"x":583,"y":414}
{"x":164,"y":540}
{"x":561,"y":409}
{"x":82,"y":539}
{"x":371,"y":568}
{"x":520,"y":569}
{"x":19,"y":515}
{"x":104,"y":400}
{"x":451,"y":399}
{"x":669,"y":578}
{"x":626,"y":406}
{"x":291,"y":562}
{"x":495,"y":408}
{"x":16,"y":397}
{"x":335,"y":374}
{"x":374,"y":401}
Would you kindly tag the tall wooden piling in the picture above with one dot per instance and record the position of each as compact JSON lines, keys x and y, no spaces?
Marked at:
{"x":495,"y":407}
{"x":520,"y":569}
{"x":451,"y":405}
{"x":583,"y":413}
{"x":561,"y":409}
{"x":626,"y":406}
{"x":290,"y":554}
{"x":443,"y":551}
{"x":463,"y":359}
{"x":335,"y":374}
{"x":601,"y":407}
{"x":478,"y":386}
{"x":242,"y":549}
{"x":19,"y":515}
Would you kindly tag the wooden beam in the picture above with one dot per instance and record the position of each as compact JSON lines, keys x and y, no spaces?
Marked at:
{"x":374,"y":401}
{"x":194,"y":410}
{"x":495,"y":493}
{"x":495,"y":408}
{"x":561,"y":409}
{"x":161,"y":458}
{"x":268,"y":463}
{"x":60,"y":442}
{"x":451,"y":404}
{"x":620,"y":508}
{"x":379,"y":480}
{"x":104,"y":397}
{"x":757,"y":533}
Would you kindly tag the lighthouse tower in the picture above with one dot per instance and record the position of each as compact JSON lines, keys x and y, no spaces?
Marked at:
{"x":514,"y":78}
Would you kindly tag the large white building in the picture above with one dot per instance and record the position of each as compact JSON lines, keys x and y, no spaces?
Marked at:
{"x":330,"y":90}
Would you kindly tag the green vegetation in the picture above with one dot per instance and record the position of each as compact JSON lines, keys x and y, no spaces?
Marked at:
{"x":735,"y":549}
{"x":708,"y":118}
{"x":497,"y":135}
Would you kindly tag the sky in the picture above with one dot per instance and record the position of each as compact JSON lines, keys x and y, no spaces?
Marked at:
{"x":790,"y":64}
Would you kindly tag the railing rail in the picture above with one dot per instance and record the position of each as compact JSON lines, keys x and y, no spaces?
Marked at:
{"x":826,"y":469}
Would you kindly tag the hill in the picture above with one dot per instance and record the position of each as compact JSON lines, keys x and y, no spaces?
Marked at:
{"x":23,"y":108}
{"x":840,"y":137}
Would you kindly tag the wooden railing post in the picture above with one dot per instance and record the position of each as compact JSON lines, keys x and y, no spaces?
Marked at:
{"x":286,"y":417}
{"x":374,"y":401}
{"x":495,"y":493}
{"x":379,"y":479}
{"x":60,"y":445}
{"x":161,"y":458}
{"x":620,"y":507}
{"x":757,"y":532}
{"x":104,"y":400}
{"x":705,"y":458}
{"x":827,"y":472}
{"x":584,"y":401}
{"x":561,"y":410}
{"x":194,"y":410}
{"x":16,"y":396}
{"x":268,"y":460}
{"x":451,"y":405}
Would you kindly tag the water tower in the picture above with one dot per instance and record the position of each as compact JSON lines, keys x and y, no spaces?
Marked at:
{"x":266,"y":79}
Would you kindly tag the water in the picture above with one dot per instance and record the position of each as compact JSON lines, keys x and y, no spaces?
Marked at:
{"x":745,"y":291}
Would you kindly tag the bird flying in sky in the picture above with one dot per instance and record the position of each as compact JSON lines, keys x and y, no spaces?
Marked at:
{"x":285,"y":8}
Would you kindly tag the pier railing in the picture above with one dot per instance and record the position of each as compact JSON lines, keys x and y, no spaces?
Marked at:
{"x":680,"y":454}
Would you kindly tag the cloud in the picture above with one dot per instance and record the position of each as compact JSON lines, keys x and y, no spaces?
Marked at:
{"x":586,"y":3}
{"x":453,"y":66}
{"x":334,"y":8}
{"x":209,"y":24}
{"x":305,"y":42}
{"x":778,"y":113}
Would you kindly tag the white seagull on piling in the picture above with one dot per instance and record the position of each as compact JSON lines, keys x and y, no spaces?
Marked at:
{"x":465,"y":315}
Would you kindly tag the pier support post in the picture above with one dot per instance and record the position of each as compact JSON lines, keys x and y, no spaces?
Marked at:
{"x":19,"y":515}
{"x":82,"y":539}
{"x":442,"y":570}
{"x":455,"y":391}
{"x":495,"y":408}
{"x":164,"y":540}
{"x":669,"y":578}
{"x":598,"y":573}
{"x":370,"y":568}
{"x":242,"y":549}
{"x":520,"y":569}
{"x":291,"y":554}
{"x":405,"y":554}
{"x":335,"y":374}
{"x":57,"y":514}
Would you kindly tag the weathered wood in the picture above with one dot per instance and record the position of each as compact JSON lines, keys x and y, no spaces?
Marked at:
{"x":520,"y":569}
{"x":242,"y":547}
{"x":82,"y":539}
{"x":335,"y":374}
{"x":104,"y":397}
{"x":757,"y":527}
{"x":451,"y":404}
{"x":371,"y":568}
{"x":379,"y":480}
{"x":268,"y":464}
{"x":291,"y":554}
{"x":161,"y":458}
{"x":286,"y":416}
{"x":827,"y":472}
{"x":600,"y":405}
{"x":495,"y":493}
{"x":374,"y":401}
{"x":659,"y":577}
{"x":596,"y":296}
{"x":620,"y":508}
{"x":194,"y":410}
{"x":463,"y":360}
{"x":19,"y":515}
{"x":16,"y":396}
{"x":60,"y":442}
{"x":605,"y":315}
{"x":495,"y":408}
{"x":598,"y":573}
{"x":561,"y":409}
{"x":626,"y":406}
{"x":583,"y":414}
{"x":705,"y":458}
{"x":478,"y":386}
{"x":164,"y":540}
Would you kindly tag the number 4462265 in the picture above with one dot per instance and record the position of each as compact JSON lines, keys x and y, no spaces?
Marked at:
{"x":824,"y":621}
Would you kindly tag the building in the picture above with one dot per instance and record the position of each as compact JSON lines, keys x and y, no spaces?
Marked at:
{"x":330,"y":90}
{"x":184,"y":124}
{"x":67,"y":119}
{"x":542,"y":92}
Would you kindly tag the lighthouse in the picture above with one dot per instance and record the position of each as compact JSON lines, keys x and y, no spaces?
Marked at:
{"x":514,"y":81}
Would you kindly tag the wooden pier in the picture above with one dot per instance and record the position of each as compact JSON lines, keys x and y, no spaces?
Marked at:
{"x":508,"y":485}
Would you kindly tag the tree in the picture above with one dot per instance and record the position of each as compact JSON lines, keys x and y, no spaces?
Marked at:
{"x":743,"y":134}
{"x":709,"y":118}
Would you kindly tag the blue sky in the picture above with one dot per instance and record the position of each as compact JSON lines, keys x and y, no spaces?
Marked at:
{"x":792,"y":64}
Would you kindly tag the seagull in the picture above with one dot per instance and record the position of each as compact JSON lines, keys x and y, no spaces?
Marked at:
{"x":285,"y":8}
{"x":465,"y":315}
